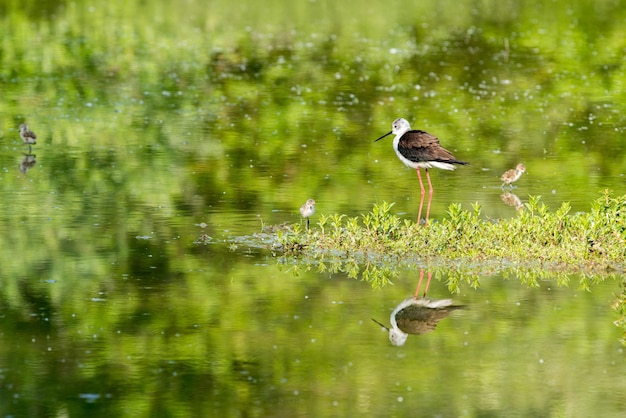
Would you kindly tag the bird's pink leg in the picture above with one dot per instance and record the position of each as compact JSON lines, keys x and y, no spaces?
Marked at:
{"x":419,"y":284}
{"x":430,"y":195}
{"x":419,"y":176}
{"x":430,"y":275}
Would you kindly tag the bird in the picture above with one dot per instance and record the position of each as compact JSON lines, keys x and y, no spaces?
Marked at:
{"x":418,"y":149}
{"x":307,"y":210}
{"x":512,"y":175}
{"x":27,"y":135}
{"x":417,"y":315}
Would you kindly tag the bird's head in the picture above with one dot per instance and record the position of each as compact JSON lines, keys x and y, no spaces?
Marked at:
{"x":398,"y":127}
{"x":397,"y":337}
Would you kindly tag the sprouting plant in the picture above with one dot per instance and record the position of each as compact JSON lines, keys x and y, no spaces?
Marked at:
{"x":321,"y":222}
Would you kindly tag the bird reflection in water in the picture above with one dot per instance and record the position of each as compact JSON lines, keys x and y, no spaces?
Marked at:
{"x":417,"y":315}
{"x":27,"y":162}
{"x":511,"y":199}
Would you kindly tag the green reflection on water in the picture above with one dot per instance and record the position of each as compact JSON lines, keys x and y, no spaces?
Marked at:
{"x":153,"y":118}
{"x":246,"y":338}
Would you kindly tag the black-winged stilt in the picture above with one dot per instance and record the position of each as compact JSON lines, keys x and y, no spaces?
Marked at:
{"x":307,"y":210}
{"x":513,"y":175}
{"x":417,"y":149}
{"x":27,"y":136}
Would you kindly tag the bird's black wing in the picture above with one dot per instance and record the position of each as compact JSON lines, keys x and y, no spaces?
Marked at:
{"x":421,"y":146}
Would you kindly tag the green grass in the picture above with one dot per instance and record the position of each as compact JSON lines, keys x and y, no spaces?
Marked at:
{"x":539,"y":243}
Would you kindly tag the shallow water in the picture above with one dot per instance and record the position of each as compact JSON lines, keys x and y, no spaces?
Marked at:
{"x":244,"y":335}
{"x":131,"y":279}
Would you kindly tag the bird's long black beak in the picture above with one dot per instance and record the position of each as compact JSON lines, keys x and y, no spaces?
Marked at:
{"x":388,"y":133}
{"x":373,"y":318}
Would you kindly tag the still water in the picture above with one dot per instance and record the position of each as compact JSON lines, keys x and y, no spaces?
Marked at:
{"x":132,"y":277}
{"x":120,"y":312}
{"x":241,"y":335}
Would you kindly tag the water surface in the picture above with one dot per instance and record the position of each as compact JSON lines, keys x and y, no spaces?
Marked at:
{"x":131,"y":279}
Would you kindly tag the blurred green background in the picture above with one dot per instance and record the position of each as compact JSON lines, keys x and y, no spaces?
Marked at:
{"x":161,"y":121}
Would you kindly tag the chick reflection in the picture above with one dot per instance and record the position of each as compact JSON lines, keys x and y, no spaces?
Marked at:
{"x":417,"y":315}
{"x":27,"y":162}
{"x":511,"y":199}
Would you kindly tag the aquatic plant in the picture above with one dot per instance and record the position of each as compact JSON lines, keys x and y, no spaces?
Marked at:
{"x":540,"y":240}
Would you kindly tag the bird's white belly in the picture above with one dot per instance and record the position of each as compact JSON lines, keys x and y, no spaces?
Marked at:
{"x":424,"y":164}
